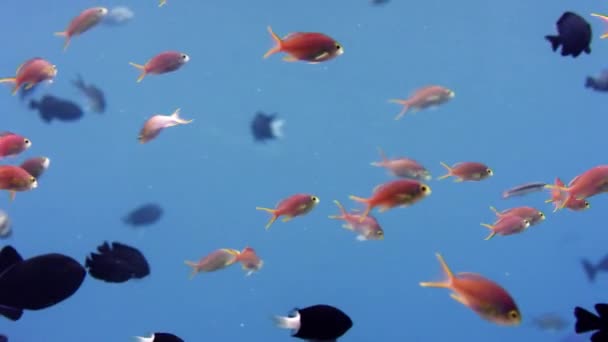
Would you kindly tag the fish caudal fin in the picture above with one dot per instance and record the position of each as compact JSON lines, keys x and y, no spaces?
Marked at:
{"x":448,"y":168}
{"x":178,"y":120}
{"x":278,"y":44}
{"x":11,"y":80}
{"x":586,"y":321}
{"x":406,"y":106}
{"x":194,"y":266}
{"x":490,"y":227}
{"x":143,"y":71}
{"x":495,"y":211}
{"x":383,"y":159}
{"x":343,"y":212}
{"x":554,"y":40}
{"x":272,"y":219}
{"x":364,"y":201}
{"x":11,"y":313}
{"x":292,"y":323}
{"x":66,"y":43}
{"x":590,"y":270}
{"x":448,"y":273}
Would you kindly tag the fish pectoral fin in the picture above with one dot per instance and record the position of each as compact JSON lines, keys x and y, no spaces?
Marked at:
{"x":290,"y":58}
{"x":459,"y":299}
{"x":443,"y":285}
{"x":321,"y":56}
{"x":287,"y":218}
{"x":458,"y":180}
{"x":347,"y":226}
{"x":12,"y":195}
{"x":382,"y":209}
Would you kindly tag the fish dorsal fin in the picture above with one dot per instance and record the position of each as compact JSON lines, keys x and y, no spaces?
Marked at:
{"x":291,"y":35}
{"x":377,"y":187}
{"x":9,"y":257}
{"x":470,"y":275}
{"x":5,"y":133}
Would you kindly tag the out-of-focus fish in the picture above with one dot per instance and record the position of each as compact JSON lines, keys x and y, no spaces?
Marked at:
{"x":266,"y":127}
{"x":117,"y":264}
{"x":5,"y":225}
{"x":524,"y":189}
{"x":14,"y":179}
{"x":36,"y":166}
{"x":53,"y":108}
{"x":216,"y":260}
{"x":159,"y":337}
{"x":31,"y":73}
{"x":12,"y":144}
{"x":403,"y":167}
{"x":154,"y":125}
{"x":86,"y":20}
{"x":143,"y":215}
{"x":94,"y":95}
{"x":599,"y":83}
{"x":250,"y":261}
{"x":117,"y":16}
{"x":605,"y":20}
{"x":508,"y":224}
{"x":550,"y":322}
{"x":369,"y":229}
{"x":426,"y":97}
{"x":574,"y":35}
{"x":592,"y":270}
{"x":379,"y":2}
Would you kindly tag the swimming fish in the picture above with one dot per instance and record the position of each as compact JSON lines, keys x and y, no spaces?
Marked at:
{"x":154,"y":125}
{"x":293,"y":206}
{"x":162,"y":63}
{"x":86,"y":20}
{"x":316,"y":323}
{"x":467,"y":171}
{"x":31,"y":73}
{"x":426,"y":97}
{"x":117,"y":263}
{"x":574,"y":35}
{"x":310,"y":47}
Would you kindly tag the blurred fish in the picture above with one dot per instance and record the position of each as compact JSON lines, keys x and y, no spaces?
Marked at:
{"x":590,"y":183}
{"x":592,"y":270}
{"x":144,"y":215}
{"x":368,"y":229}
{"x":157,"y":123}
{"x":550,"y":322}
{"x":36,"y":283}
{"x":266,"y":127}
{"x":214,"y":261}
{"x":36,"y":166}
{"x":524,"y":189}
{"x":161,"y":3}
{"x":316,"y":323}
{"x":425,"y":97}
{"x":31,"y":73}
{"x":3,"y":338}
{"x":117,"y":16}
{"x":162,"y":63}
{"x":12,"y":144}
{"x":403,"y":167}
{"x":94,"y":95}
{"x":293,"y":206}
{"x":159,"y":337}
{"x":599,"y":83}
{"x":250,"y":261}
{"x":574,"y":35}
{"x":86,"y":20}
{"x":467,"y":171}
{"x":311,"y":47}
{"x":117,"y":264}
{"x":51,"y":107}
{"x":560,"y":199}
{"x":379,"y":2}
{"x":14,"y":179}
{"x":587,"y":321}
{"x":508,"y":224}
{"x":5,"y":225}
{"x":533,"y":215}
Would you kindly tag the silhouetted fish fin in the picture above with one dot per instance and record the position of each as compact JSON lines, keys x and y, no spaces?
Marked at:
{"x":8,"y":257}
{"x":589,"y":82}
{"x":589,"y":270}
{"x":11,"y":313}
{"x":585,"y":321}
{"x":554,"y":40}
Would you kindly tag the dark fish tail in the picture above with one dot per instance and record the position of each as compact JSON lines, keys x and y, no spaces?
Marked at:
{"x":13,"y":314}
{"x":586,"y":321}
{"x":590,"y":270}
{"x":554,"y":40}
{"x":590,"y":82}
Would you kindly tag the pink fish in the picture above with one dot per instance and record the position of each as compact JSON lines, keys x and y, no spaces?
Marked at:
{"x":403,"y":167}
{"x":12,"y":144}
{"x":430,"y":96}
{"x":36,"y":166}
{"x":162,"y":63}
{"x":467,"y":171}
{"x":507,"y":225}
{"x":588,"y":184}
{"x":531,"y":214}
{"x":82,"y":23}
{"x":249,"y":260}
{"x":368,"y":229}
{"x":14,"y":178}
{"x":558,"y":198}
{"x":154,"y":125}
{"x":30,"y":73}
{"x":216,"y":260}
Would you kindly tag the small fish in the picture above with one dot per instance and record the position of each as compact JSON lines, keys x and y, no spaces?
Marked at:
{"x":310,"y":47}
{"x":154,"y":125}
{"x":162,"y":63}
{"x":605,"y":20}
{"x":533,"y":215}
{"x":54,"y":108}
{"x":86,"y":20}
{"x":5,"y":225}
{"x":550,"y":322}
{"x":587,"y":321}
{"x":249,"y":260}
{"x":467,"y":171}
{"x":507,"y":225}
{"x":524,"y":189}
{"x":397,"y":193}
{"x":426,"y":97}
{"x":316,"y":323}
{"x":117,"y":263}
{"x":266,"y":127}
{"x":214,"y":261}
{"x":31,"y":73}
{"x":368,"y":229}
{"x":159,"y":337}
{"x":599,"y":83}
{"x":574,"y":35}
{"x":12,"y":144}
{"x":14,"y":179}
{"x":36,"y":166}
{"x":118,"y":16}
{"x":486,"y":298}
{"x":403,"y":167}
{"x":560,"y":199}
{"x":94,"y":95}
{"x":293,"y":206}
{"x":143,"y":215}
{"x":588,"y":184}
{"x":592,"y":270}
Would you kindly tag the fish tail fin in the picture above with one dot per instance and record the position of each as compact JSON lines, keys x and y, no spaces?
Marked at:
{"x":8,"y":80}
{"x":491,"y":228}
{"x":364,"y":201}
{"x":140,"y":67}
{"x":286,"y":322}
{"x":589,"y":82}
{"x":13,"y":314}
{"x":447,"y":272}
{"x":342,"y":211}
{"x":273,"y":218}
{"x":406,"y":107}
{"x":590,"y":270}
{"x":448,"y":168}
{"x":178,"y":119}
{"x":66,"y":42}
{"x":383,"y":158}
{"x":194,"y":266}
{"x":554,"y":40}
{"x":586,"y":321}
{"x":278,"y":44}
{"x":161,"y":3}
{"x":494,"y":210}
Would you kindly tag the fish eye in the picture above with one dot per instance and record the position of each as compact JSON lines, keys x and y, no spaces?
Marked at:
{"x":513,"y":314}
{"x":587,"y":205}
{"x":542,"y":215}
{"x":27,"y":141}
{"x":379,"y":233}
{"x":424,"y":188}
{"x":338,"y":47}
{"x":183,"y":56}
{"x":32,"y":179}
{"x":489,"y":171}
{"x":314,"y":199}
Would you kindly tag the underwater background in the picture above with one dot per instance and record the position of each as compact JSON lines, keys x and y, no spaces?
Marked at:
{"x":519,"y":107}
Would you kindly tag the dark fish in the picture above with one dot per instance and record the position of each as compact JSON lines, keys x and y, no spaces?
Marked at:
{"x":159,"y":337}
{"x":51,"y":107}
{"x":592,"y":270}
{"x":36,"y":166}
{"x":95,"y":97}
{"x":550,"y":322}
{"x":574,"y":35}
{"x":36,"y":283}
{"x":524,"y":189}
{"x":587,"y":321}
{"x":3,"y":338}
{"x":117,"y":264}
{"x":599,"y":83}
{"x":266,"y":127}
{"x":316,"y":323}
{"x":379,"y":2}
{"x":144,"y":215}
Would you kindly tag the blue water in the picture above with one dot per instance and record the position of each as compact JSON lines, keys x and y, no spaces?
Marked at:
{"x":519,"y":107}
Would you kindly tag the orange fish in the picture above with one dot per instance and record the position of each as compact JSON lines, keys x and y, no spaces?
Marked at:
{"x":531,"y":214}
{"x":507,"y":225}
{"x":401,"y":192}
{"x":558,"y":198}
{"x":82,"y":23}
{"x":310,"y":47}
{"x":154,"y":125}
{"x":367,"y":229}
{"x":403,"y":167}
{"x":296,"y":205}
{"x":12,"y":144}
{"x":430,"y":96}
{"x":467,"y":171}
{"x":30,"y":73}
{"x":14,"y":178}
{"x":162,"y":63}
{"x":486,"y":298}
{"x":588,"y":184}
{"x":214,"y":261}
{"x":249,"y":260}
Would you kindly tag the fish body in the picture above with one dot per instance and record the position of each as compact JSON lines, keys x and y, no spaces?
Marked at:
{"x":587,"y":322}
{"x":508,"y":224}
{"x":15,"y":179}
{"x":467,"y":171}
{"x":215,"y":261}
{"x":12,"y":144}
{"x":31,"y":73}
{"x":311,"y":47}
{"x":423,"y":98}
{"x":36,"y":166}
{"x":154,"y":125}
{"x":574,"y":35}
{"x":368,"y":229}
{"x":162,"y":63}
{"x":86,"y":20}
{"x":94,"y":95}
{"x":403,"y":167}
{"x":53,"y":108}
{"x":266,"y":127}
{"x":117,"y":263}
{"x":524,"y":189}
{"x":293,"y":206}
{"x":316,"y":323}
{"x":533,"y":215}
